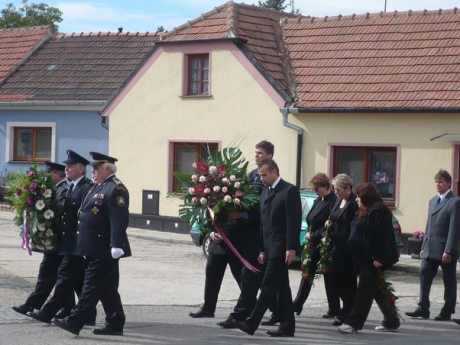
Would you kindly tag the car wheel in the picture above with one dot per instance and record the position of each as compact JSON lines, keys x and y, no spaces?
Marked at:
{"x":205,"y":246}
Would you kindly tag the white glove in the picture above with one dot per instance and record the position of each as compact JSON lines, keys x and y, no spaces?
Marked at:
{"x":117,"y":253}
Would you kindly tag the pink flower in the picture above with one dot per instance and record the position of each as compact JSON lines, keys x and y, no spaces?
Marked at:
{"x":224,"y":189}
{"x":202,"y":178}
{"x":232,"y":178}
{"x":225,"y":180}
{"x":207,"y":191}
{"x":191,"y":190}
{"x":203,"y":201}
{"x":194,"y":199}
{"x":30,"y":174}
{"x":18,"y":192}
{"x":30,"y":200}
{"x":216,"y":189}
{"x":222,"y":170}
{"x":33,"y":186}
{"x":212,"y":169}
{"x":194,"y":178}
{"x":238,"y":193}
{"x":237,"y":201}
{"x":227,"y":198}
{"x":237,"y":184}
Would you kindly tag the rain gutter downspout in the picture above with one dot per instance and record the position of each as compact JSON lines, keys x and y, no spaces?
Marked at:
{"x":285,"y":112}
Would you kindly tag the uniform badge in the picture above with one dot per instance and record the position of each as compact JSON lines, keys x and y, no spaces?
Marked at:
{"x":121,"y":201}
{"x":95,"y":210}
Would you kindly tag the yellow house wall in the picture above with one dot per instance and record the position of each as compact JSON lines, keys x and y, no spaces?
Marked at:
{"x":419,"y":158}
{"x":239,"y":113}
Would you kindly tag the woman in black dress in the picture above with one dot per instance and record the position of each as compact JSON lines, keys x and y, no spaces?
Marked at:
{"x":373,"y":248}
{"x":342,"y":276}
{"x":316,"y":220}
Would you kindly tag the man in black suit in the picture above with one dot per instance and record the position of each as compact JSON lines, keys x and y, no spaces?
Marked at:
{"x":440,"y":248}
{"x":72,"y":267}
{"x":249,"y":245}
{"x":281,"y":217}
{"x":102,"y":239}
{"x":47,"y":274}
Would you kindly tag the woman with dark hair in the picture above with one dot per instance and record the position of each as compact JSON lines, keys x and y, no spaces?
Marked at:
{"x":316,"y":220}
{"x":373,"y":248}
{"x":342,"y":276}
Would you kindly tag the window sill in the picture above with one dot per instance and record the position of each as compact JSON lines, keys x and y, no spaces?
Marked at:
{"x":195,"y":96}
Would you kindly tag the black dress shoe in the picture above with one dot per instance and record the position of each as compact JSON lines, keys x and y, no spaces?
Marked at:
{"x":37,"y":315}
{"x":62,"y":313}
{"x":107,"y":331}
{"x":201,"y":313}
{"x":245,"y":327}
{"x":337,"y":322}
{"x":65,"y":326}
{"x":90,"y":323}
{"x":281,"y":333}
{"x":229,"y":323}
{"x":457,"y":321}
{"x":273,"y":320}
{"x":22,"y":309}
{"x":419,"y":312}
{"x":442,"y":317}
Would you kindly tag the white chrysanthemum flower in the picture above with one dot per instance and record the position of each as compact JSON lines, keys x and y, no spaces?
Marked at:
{"x":48,"y":214}
{"x":41,"y":227}
{"x":40,"y":205}
{"x":48,"y":193}
{"x":49,"y":233}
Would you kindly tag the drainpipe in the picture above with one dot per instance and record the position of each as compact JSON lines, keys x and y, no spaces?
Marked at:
{"x":285,"y":112}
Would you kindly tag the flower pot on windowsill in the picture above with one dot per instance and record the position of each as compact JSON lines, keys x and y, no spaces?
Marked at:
{"x":416,"y":246}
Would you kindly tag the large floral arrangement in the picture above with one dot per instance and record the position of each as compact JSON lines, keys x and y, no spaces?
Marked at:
{"x":221,"y":184}
{"x":33,"y":196}
{"x":325,"y":262}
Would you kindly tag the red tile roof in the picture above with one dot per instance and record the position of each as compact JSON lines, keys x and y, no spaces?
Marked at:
{"x":83,"y":67}
{"x":407,"y":60}
{"x":257,"y":26}
{"x":17,"y":44}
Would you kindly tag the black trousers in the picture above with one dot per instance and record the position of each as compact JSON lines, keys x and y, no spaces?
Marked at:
{"x":215,"y":271}
{"x":275,"y":284}
{"x":47,"y":277}
{"x":343,"y":280}
{"x":250,"y":281}
{"x":428,"y":270}
{"x":101,"y":282}
{"x":70,"y":274}
{"x":366,"y":293}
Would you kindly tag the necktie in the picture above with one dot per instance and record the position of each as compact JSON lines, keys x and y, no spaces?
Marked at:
{"x":438,"y":201}
{"x":70,"y":189}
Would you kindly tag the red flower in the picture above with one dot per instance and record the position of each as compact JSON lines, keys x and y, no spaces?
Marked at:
{"x":306,"y":277}
{"x":393,"y":299}
{"x":199,"y":189}
{"x":222,"y":170}
{"x":238,"y":193}
{"x":201,"y":168}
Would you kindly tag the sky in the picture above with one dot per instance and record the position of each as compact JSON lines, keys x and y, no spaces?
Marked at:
{"x":147,"y":15}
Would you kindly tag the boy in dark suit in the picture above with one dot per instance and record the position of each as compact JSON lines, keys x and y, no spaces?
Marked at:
{"x":281,"y":217}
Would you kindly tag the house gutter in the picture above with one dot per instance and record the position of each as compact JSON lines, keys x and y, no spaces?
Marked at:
{"x":53,"y":103}
{"x":285,"y":112}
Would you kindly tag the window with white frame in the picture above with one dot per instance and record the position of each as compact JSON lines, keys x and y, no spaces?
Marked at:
{"x":376,"y":165}
{"x":27,"y":142}
{"x":197,"y":78}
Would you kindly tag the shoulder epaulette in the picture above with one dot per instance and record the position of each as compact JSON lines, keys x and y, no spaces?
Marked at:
{"x":117,"y":181}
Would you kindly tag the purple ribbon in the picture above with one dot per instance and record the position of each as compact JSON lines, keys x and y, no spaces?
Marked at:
{"x":234,"y":250}
{"x":25,"y":235}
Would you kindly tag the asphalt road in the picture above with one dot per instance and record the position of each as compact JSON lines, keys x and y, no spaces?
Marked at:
{"x":163,"y":282}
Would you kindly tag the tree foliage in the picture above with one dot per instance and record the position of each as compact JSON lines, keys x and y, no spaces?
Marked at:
{"x":29,"y":15}
{"x":274,"y":4}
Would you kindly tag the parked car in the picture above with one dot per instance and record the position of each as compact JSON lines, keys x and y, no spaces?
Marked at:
{"x":398,"y":235}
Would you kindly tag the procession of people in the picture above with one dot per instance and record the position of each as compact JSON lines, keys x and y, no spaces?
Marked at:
{"x":349,"y":229}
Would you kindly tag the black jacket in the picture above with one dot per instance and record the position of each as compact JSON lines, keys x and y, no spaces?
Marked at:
{"x":319,"y":213}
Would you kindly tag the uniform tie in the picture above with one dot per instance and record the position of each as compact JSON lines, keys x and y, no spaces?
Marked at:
{"x":69,"y":191}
